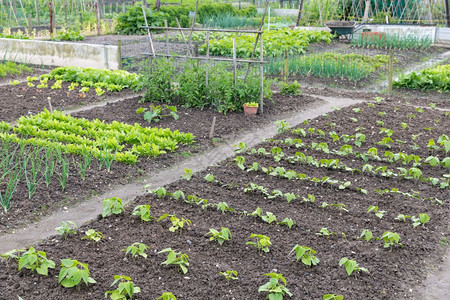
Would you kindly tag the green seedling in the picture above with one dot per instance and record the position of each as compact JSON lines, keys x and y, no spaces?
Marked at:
{"x":366,"y":235}
{"x":11,"y":255}
{"x":176,"y":222}
{"x":220,"y":236}
{"x":112,"y":206}
{"x":167,"y":296}
{"x":262,"y":242}
{"x":351,"y":266}
{"x":276,"y":290}
{"x":421,"y":220}
{"x":125,"y":290}
{"x":66,"y":228}
{"x":72,"y":272}
{"x":324,"y":232}
{"x":391,"y":239}
{"x":143,"y":211}
{"x":306,"y":254}
{"x":210,"y":178}
{"x":332,"y":297}
{"x":230,"y":274}
{"x":375,"y":209}
{"x":93,"y":235}
{"x":36,"y":261}
{"x":136,"y":249}
{"x":176,"y":259}
{"x":287,"y":222}
{"x":187,"y":174}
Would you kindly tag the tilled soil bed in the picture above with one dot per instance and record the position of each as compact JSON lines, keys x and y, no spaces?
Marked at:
{"x":342,"y":197}
{"x":198,"y":122}
{"x":21,"y":100}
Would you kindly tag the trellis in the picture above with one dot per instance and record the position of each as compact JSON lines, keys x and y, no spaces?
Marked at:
{"x":188,"y":41}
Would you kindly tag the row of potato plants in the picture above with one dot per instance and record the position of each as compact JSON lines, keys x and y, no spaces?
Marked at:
{"x":115,"y":141}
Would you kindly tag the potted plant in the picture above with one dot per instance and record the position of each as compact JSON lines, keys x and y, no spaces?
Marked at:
{"x":250,"y":108}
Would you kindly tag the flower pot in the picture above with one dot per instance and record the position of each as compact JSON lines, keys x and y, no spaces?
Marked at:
{"x":250,"y":110}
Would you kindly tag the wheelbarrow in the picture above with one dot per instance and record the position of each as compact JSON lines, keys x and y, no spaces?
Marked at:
{"x":345,"y":29}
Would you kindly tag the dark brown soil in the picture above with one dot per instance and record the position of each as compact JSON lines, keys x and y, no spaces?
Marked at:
{"x":47,"y":200}
{"x":394,"y":273}
{"x":21,"y":100}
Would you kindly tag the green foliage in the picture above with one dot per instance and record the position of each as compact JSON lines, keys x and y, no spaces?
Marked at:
{"x":290,"y":89}
{"x":125,"y":290}
{"x":437,"y":78}
{"x":220,"y":236}
{"x":36,"y":261}
{"x":276,"y":287}
{"x":10,"y":68}
{"x":132,"y":20}
{"x":262,"y":243}
{"x":112,"y":206}
{"x":67,"y":228}
{"x":391,"y":239}
{"x":176,"y":259}
{"x":306,"y":254}
{"x":73,"y":272}
{"x":93,"y":235}
{"x":68,"y":35}
{"x":143,"y":211}
{"x":102,"y":140}
{"x":163,"y":84}
{"x":421,"y":220}
{"x":351,"y":66}
{"x":137,"y":249}
{"x":333,"y":297}
{"x":230,"y":274}
{"x":391,"y":41}
{"x":111,"y":80}
{"x":275,"y":43}
{"x":167,"y":296}
{"x":157,"y":112}
{"x":176,"y":222}
{"x":325,"y":232}
{"x":351,"y":266}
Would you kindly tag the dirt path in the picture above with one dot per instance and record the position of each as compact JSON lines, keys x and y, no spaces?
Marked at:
{"x":90,"y":209}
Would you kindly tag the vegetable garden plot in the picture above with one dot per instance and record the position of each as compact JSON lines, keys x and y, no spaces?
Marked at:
{"x":47,"y":199}
{"x":437,"y":78}
{"x":376,"y":221}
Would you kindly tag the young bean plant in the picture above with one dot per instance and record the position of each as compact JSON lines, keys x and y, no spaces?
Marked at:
{"x":276,"y":287}
{"x":125,"y":290}
{"x":93,"y":235}
{"x":36,"y":261}
{"x":143,"y":211}
{"x":66,"y":228}
{"x":220,"y":236}
{"x":176,"y":259}
{"x":262,"y":242}
{"x":351,"y":266}
{"x":176,"y":222}
{"x":72,"y":272}
{"x":306,"y":254}
{"x":230,"y":274}
{"x":137,"y":249}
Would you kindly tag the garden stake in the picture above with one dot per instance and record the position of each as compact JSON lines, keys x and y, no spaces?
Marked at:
{"x":211,"y":132}
{"x":391,"y":71}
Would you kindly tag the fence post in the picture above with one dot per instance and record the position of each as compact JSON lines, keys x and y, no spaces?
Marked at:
{"x":261,"y":75}
{"x":391,"y":71}
{"x":50,"y":16}
{"x":119,"y":56}
{"x":234,"y":62}
{"x":98,"y":17}
{"x":286,"y":65}
{"x":30,"y":25}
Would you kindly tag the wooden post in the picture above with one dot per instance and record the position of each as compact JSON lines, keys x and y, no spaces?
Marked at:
{"x":234,"y":62}
{"x":65,"y":12}
{"x":207,"y":70}
{"x":30,"y":25}
{"x":81,"y":21}
{"x":211,"y":131}
{"x":193,"y":23}
{"x":119,"y":57}
{"x":184,"y":37}
{"x":50,"y":16}
{"x":391,"y":71}
{"x":36,"y":7}
{"x":286,"y":65}
{"x":261,"y":76}
{"x":366,"y":11}
{"x":300,"y":10}
{"x":167,"y":39}
{"x":97,"y":6}
{"x":447,"y":12}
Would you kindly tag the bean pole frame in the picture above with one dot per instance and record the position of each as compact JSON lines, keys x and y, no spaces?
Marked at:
{"x":208,"y":58}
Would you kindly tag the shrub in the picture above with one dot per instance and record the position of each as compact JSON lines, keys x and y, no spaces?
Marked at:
{"x":131,"y":21}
